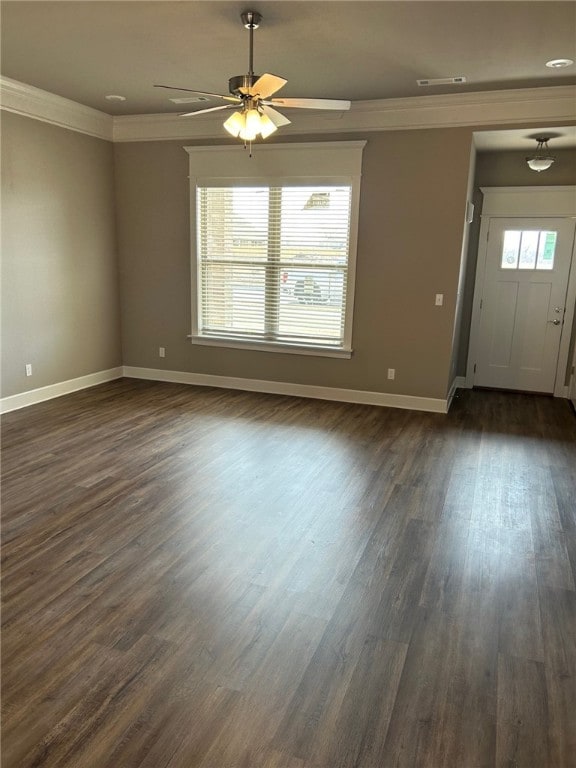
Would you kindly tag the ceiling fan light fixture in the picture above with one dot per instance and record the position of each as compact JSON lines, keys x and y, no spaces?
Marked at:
{"x":248,"y":124}
{"x":542,"y":160}
{"x":251,"y":94}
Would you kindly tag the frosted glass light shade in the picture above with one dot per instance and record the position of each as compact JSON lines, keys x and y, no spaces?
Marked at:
{"x":252,"y":126}
{"x":540,"y":163}
{"x":267,"y":127}
{"x":235,"y":123}
{"x":249,"y":124}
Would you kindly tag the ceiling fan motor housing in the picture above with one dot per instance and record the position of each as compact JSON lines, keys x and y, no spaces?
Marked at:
{"x":241,"y":81}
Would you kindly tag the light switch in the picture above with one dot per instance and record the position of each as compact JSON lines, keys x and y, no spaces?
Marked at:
{"x":439,"y":299}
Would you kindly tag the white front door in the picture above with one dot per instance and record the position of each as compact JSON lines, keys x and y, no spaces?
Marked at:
{"x":523,"y":303}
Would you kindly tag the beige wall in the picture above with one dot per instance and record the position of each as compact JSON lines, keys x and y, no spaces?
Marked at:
{"x":60,"y":299}
{"x":509,"y":169}
{"x":409,"y":248}
{"x":60,"y":290}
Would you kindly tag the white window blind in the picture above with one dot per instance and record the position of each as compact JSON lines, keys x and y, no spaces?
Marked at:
{"x":274,"y":246}
{"x":273,"y":262}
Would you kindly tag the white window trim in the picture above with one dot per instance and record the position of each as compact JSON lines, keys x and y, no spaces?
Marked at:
{"x":310,"y":162}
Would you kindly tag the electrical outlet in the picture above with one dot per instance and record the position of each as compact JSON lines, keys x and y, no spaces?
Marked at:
{"x":162,"y":351}
{"x":391,"y":373}
{"x":439,"y":299}
{"x":28,"y":369}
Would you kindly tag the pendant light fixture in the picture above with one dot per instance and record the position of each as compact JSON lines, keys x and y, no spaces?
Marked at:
{"x":542,"y":160}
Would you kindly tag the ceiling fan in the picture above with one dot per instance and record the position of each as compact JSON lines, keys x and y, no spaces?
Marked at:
{"x":250,"y":96}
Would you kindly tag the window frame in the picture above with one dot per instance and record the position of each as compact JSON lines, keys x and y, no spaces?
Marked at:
{"x":321,"y":163}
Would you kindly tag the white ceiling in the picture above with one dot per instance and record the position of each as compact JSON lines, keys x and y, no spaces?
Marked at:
{"x":86,"y":49}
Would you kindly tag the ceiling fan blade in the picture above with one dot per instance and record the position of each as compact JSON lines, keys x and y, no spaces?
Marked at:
{"x":234,"y":99}
{"x":210,"y":109}
{"x":277,"y":118}
{"x":266,"y":85}
{"x":310,"y":103}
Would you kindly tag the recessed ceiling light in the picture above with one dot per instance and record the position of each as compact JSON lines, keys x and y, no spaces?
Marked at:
{"x":115,"y":97}
{"x":559,"y":63}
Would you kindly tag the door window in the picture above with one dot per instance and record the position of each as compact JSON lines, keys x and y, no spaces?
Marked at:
{"x":528,"y":249}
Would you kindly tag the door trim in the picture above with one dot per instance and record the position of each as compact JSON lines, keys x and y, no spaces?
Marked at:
{"x":525,"y":203}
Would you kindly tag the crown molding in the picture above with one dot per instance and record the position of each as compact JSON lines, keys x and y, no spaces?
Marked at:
{"x":485,"y":108}
{"x":29,"y":101}
{"x":481,"y":108}
{"x":525,"y":105}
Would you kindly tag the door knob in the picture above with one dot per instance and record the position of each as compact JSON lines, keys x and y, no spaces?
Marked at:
{"x":554,"y":322}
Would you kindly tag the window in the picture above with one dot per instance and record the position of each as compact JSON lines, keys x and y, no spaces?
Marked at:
{"x":270,"y":267}
{"x":273,"y":253}
{"x":528,"y":249}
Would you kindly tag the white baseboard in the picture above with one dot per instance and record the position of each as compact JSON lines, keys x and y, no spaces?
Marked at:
{"x":296,"y":390}
{"x":14,"y":402}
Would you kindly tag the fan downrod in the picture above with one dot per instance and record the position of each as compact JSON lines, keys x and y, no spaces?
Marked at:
{"x":251,"y":20}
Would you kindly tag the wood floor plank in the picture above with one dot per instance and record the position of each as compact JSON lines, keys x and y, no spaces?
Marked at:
{"x":522,"y":728}
{"x":520,"y":632}
{"x":199,"y":578}
{"x":551,"y":541}
{"x":314,"y":707}
{"x":559,"y":629}
{"x":361,"y":726}
{"x":394,"y":615}
{"x":444,"y":580}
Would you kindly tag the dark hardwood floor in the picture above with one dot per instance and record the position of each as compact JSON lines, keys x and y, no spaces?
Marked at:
{"x":197,"y":578}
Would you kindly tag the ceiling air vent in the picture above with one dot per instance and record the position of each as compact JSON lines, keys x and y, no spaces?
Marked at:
{"x":189,"y":99}
{"x":442,"y":81}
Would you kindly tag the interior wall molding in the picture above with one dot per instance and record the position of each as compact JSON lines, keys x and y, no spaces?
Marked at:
{"x":528,"y":201}
{"x":523,"y":105}
{"x":410,"y":402}
{"x":33,"y":396}
{"x":41,"y":105}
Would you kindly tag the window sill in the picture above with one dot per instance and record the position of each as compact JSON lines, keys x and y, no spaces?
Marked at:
{"x":263,"y":346}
